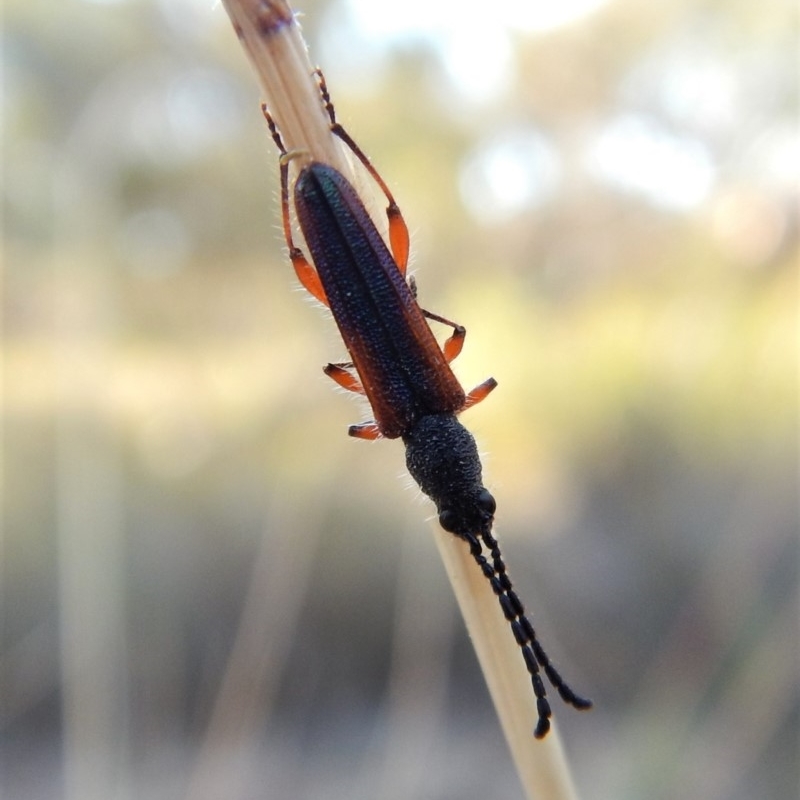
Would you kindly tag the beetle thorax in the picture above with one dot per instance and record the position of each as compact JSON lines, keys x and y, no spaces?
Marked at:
{"x":442,"y":457}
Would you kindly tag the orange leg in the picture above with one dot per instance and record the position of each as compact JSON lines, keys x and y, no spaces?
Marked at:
{"x":342,"y":375}
{"x":365,"y":430}
{"x":479,"y":393}
{"x":306,"y":274}
{"x":398,"y":230}
{"x":452,"y":346}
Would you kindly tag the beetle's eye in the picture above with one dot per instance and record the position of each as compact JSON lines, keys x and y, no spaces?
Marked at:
{"x":486,"y":501}
{"x":448,"y":520}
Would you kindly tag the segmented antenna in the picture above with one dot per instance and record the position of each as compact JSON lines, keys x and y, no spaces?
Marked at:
{"x":524,"y":633}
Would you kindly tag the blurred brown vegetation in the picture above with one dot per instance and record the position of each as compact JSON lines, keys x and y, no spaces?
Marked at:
{"x":179,"y":492}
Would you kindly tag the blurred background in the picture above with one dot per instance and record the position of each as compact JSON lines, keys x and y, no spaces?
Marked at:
{"x":210,"y":591}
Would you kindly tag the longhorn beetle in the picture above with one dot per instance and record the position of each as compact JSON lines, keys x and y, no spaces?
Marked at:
{"x":397,"y":363}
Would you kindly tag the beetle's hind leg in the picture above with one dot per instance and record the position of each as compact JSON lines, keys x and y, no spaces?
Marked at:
{"x":306,"y":274}
{"x":399,"y":240}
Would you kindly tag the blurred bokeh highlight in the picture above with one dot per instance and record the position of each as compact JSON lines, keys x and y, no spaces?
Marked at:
{"x":210,"y":591}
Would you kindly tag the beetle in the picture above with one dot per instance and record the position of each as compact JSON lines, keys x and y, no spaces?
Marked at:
{"x":399,"y":366}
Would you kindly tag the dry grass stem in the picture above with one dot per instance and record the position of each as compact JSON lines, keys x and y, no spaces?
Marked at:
{"x":272,"y":40}
{"x":271,"y":37}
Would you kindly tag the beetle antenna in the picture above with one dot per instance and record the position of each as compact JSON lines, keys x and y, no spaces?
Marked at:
{"x":524,"y":633}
